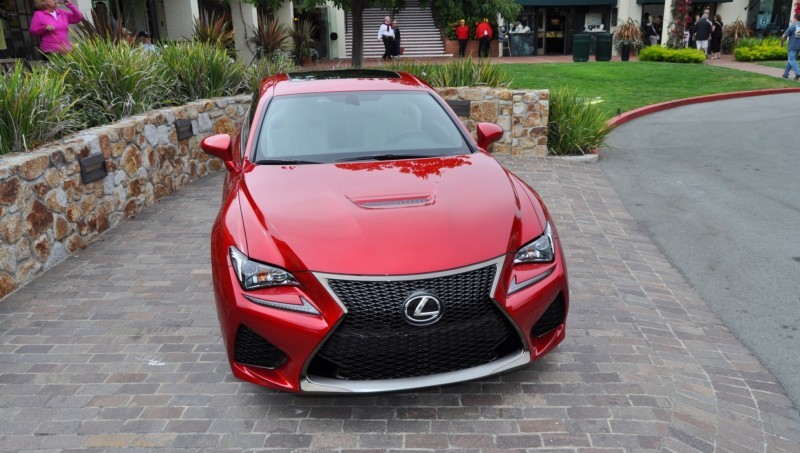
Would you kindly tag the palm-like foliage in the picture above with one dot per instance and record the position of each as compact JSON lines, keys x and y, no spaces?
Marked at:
{"x":101,"y":28}
{"x":303,"y":39}
{"x":215,"y":31}
{"x":270,"y":36}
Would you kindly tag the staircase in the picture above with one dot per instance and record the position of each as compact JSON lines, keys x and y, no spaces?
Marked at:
{"x":418,"y":34}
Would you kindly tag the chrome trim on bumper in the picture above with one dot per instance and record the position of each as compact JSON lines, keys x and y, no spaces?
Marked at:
{"x":312,"y":384}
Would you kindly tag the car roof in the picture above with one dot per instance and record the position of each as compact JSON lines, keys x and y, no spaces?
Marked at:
{"x":346,"y":80}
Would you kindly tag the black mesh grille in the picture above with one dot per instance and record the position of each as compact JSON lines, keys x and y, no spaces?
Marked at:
{"x":250,"y":349}
{"x":375,"y":342}
{"x":552,"y":318}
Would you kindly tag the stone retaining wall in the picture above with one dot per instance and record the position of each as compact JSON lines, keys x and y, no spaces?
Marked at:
{"x":523,"y":115}
{"x":47,"y":212}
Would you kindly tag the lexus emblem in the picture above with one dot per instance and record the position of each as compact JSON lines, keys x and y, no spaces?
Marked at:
{"x":422,"y":309}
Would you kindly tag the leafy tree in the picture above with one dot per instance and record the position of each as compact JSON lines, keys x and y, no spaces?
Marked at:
{"x":449,"y":11}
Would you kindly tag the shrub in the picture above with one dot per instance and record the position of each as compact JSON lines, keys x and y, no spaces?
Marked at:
{"x":202,"y":71}
{"x":113,"y":80}
{"x":760,"y":49}
{"x":657,"y":53}
{"x":461,"y":72}
{"x":266,"y":67}
{"x":35,"y":108}
{"x":575,"y":126}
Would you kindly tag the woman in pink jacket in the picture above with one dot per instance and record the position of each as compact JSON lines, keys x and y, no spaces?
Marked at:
{"x":52,"y":25}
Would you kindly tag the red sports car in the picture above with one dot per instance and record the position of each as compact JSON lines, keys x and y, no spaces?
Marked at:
{"x":366,"y":242}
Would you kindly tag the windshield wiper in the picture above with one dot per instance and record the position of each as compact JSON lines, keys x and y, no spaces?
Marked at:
{"x":285,"y":162}
{"x":384,"y":157}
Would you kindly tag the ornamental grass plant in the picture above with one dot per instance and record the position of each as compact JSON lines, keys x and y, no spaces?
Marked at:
{"x":35,"y":107}
{"x":458,"y":73}
{"x":267,"y":66}
{"x":202,"y":71}
{"x":576,"y":125}
{"x":113,"y":80}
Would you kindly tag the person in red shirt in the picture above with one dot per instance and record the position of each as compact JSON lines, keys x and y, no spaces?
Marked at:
{"x":462,"y":34}
{"x":484,"y":34}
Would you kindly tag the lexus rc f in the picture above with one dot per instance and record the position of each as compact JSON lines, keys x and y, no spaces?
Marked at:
{"x":368,"y":243}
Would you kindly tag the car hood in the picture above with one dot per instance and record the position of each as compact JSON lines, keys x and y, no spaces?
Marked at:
{"x":379,"y":218}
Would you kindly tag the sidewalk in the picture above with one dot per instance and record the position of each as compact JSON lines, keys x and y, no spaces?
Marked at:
{"x":119,"y":347}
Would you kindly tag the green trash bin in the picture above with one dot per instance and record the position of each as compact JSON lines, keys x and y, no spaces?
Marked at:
{"x":580,"y":47}
{"x":603,"y":52}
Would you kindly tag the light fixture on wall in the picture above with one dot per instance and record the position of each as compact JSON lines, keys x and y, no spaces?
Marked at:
{"x":93,"y":168}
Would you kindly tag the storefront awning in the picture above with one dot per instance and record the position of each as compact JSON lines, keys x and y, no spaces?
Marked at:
{"x":568,"y":2}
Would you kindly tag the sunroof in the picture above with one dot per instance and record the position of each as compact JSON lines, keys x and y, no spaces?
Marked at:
{"x":344,"y":74}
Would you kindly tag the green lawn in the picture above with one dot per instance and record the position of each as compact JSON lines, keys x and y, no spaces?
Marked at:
{"x":630,"y":85}
{"x":774,"y":64}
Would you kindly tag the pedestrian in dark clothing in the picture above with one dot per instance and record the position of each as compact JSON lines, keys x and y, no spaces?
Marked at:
{"x":396,"y":50}
{"x":716,"y":38}
{"x":462,"y":34}
{"x":386,"y":34}
{"x":702,"y":33}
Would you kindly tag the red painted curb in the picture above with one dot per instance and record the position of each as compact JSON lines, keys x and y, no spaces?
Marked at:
{"x":648,"y":109}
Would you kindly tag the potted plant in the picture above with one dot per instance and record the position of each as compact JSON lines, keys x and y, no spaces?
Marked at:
{"x":305,"y":48}
{"x":627,"y":36}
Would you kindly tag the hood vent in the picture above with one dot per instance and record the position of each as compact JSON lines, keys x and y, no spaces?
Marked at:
{"x":406,"y":201}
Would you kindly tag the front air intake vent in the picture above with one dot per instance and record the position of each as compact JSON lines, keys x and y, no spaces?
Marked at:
{"x":250,"y":349}
{"x":552,"y":318}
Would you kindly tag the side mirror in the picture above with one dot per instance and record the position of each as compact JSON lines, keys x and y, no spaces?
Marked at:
{"x":488,"y":133}
{"x":220,"y":146}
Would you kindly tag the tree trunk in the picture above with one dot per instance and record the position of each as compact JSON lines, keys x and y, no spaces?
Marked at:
{"x":357,"y":52}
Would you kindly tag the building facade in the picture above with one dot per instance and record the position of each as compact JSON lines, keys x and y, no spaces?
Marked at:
{"x":553,"y":23}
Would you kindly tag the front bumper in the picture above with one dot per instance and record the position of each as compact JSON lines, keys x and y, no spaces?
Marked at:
{"x":325,"y":352}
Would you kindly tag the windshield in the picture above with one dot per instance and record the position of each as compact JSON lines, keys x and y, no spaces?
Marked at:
{"x":351,"y":126}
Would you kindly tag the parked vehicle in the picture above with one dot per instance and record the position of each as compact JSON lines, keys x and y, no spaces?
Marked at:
{"x":366,"y":243}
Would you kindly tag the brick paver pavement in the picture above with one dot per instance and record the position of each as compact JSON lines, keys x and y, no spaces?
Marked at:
{"x":119,"y":347}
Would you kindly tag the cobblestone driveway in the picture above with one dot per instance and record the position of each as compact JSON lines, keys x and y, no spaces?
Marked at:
{"x":119,"y":347}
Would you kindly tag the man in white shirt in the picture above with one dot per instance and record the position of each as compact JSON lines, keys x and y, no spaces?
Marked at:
{"x":386,"y":34}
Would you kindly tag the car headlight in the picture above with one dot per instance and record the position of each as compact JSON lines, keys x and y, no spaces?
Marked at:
{"x":255,"y":275}
{"x":540,"y":250}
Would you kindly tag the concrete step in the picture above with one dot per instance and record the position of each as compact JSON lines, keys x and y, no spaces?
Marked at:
{"x":419,"y":35}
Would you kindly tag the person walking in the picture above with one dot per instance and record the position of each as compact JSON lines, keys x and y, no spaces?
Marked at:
{"x":702,"y":32}
{"x":462,"y":34}
{"x":51,"y":25}
{"x":793,"y":34}
{"x":396,"y":49}
{"x":484,"y":34}
{"x":716,"y":38}
{"x":386,"y":34}
{"x":650,"y":32}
